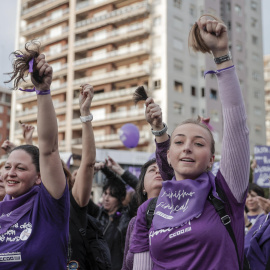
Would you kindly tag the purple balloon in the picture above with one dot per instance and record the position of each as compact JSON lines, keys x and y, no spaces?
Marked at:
{"x":129,"y":135}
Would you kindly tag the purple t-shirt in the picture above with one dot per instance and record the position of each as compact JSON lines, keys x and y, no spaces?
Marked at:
{"x":39,"y":240}
{"x":203,"y":243}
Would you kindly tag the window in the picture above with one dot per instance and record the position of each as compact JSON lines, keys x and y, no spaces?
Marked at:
{"x":56,"y":31}
{"x":229,"y":25}
{"x":157,"y":84}
{"x":257,"y":111}
{"x":1,"y":109}
{"x":193,"y":71}
{"x":156,"y":63}
{"x":178,"y":64}
{"x":239,"y":47}
{"x":254,"y":6}
{"x":254,"y":22}
{"x":1,"y":123}
{"x":177,"y":3}
{"x":193,"y":111}
{"x":258,"y":129}
{"x":157,"y":21}
{"x":177,"y":23}
{"x":213,"y":94}
{"x":238,"y":10}
{"x":240,"y":65}
{"x":178,"y":108}
{"x":193,"y":91}
{"x":214,"y":116}
{"x":192,"y":10}
{"x":178,"y":44}
{"x":202,"y":92}
{"x":255,"y":76}
{"x":178,"y":86}
{"x":8,"y":98}
{"x":238,"y":27}
{"x":254,"y":40}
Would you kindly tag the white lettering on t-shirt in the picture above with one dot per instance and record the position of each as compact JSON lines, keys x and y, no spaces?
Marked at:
{"x":10,"y":257}
{"x":153,"y":233}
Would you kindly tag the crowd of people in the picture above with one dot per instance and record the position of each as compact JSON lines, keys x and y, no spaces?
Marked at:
{"x":177,"y":215}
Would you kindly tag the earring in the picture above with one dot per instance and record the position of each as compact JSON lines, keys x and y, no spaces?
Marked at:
{"x":170,"y":164}
{"x":144,"y":192}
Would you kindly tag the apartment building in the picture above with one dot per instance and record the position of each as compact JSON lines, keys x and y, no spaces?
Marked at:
{"x":117,"y":45}
{"x":5,"y":109}
{"x":267,"y":96}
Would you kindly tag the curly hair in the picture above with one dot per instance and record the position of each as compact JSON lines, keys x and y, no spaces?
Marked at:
{"x":21,"y":61}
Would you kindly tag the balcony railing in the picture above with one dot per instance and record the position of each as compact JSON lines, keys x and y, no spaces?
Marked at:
{"x":110,"y":137}
{"x":47,"y":37}
{"x":113,"y":74}
{"x":112,"y":14}
{"x":124,"y":51}
{"x":38,"y":6}
{"x":115,"y":115}
{"x":57,"y":67}
{"x":114,"y":33}
{"x":84,"y":4}
{"x":45,"y":20}
{"x":111,"y":94}
{"x":56,"y":51}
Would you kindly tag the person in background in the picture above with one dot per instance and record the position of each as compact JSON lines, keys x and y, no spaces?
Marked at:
{"x":252,"y":203}
{"x":149,"y":186}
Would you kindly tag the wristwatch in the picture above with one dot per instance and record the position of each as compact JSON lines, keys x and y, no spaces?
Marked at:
{"x":224,"y":58}
{"x":87,"y":118}
{"x":159,"y":133}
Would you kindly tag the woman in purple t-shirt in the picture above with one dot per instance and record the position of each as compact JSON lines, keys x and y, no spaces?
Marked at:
{"x":34,"y":214}
{"x":186,"y":231}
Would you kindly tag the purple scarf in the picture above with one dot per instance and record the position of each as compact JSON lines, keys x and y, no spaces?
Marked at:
{"x":181,"y":201}
{"x":11,"y":210}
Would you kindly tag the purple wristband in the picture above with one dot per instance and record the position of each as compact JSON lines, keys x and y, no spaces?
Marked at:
{"x":215,"y":72}
{"x":45,"y":92}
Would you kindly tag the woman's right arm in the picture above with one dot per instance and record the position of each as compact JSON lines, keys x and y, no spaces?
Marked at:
{"x":153,"y":116}
{"x":81,"y":190}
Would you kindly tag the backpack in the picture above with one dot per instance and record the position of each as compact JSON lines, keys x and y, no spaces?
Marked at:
{"x":219,"y":207}
{"x":97,"y":250}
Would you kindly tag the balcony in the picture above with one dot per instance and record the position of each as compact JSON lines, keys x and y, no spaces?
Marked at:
{"x":45,"y":22}
{"x":118,"y":35}
{"x":113,"y":140}
{"x":112,"y":56}
{"x":92,"y":3}
{"x":41,"y":8}
{"x":114,"y":76}
{"x":110,"y":96}
{"x":56,"y":53}
{"x":117,"y":15}
{"x":49,"y":38}
{"x":112,"y":118}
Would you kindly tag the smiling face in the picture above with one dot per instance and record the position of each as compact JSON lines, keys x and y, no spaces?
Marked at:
{"x":251,"y":202}
{"x":2,"y":186}
{"x":152,"y":181}
{"x":190,"y":151}
{"x":20,"y":173}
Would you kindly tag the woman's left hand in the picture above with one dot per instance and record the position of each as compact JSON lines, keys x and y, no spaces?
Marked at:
{"x":85,"y":99}
{"x":214,"y":35}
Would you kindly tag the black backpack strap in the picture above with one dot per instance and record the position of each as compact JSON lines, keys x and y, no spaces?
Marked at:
{"x":150,"y":212}
{"x":226,"y":220}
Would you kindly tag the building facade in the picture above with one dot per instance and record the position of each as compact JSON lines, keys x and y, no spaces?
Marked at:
{"x":116,"y":45}
{"x":267,"y":96}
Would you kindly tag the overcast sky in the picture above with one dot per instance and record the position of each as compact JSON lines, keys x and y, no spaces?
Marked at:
{"x":8,"y":25}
